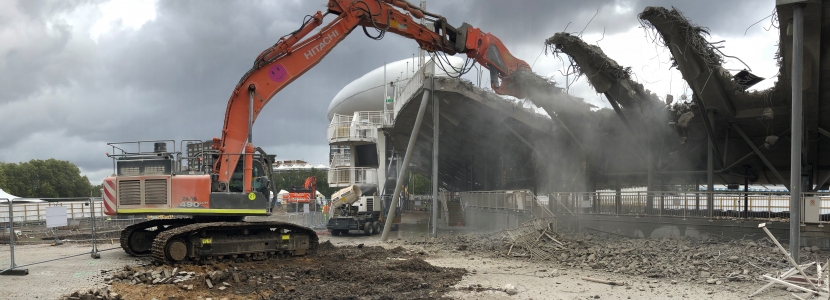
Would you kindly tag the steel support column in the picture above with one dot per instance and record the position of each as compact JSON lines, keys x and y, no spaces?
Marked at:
{"x":387,"y":227}
{"x":709,"y":123}
{"x":710,"y":168}
{"x":435,"y":138}
{"x":797,"y":126}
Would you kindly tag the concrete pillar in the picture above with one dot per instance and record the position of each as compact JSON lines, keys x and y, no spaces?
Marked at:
{"x":382,"y":161}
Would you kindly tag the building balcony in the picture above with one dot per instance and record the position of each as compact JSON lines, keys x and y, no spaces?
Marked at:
{"x":360,"y":128}
{"x":346,"y":176}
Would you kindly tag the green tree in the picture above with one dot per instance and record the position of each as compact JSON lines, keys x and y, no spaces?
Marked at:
{"x":96,"y":190}
{"x":287,"y":179}
{"x":49,"y":178}
{"x":421,"y":185}
{"x":2,"y":175}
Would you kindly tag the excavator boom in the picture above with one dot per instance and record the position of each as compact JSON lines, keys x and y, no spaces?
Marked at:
{"x":217,"y":192}
{"x":296,"y":53}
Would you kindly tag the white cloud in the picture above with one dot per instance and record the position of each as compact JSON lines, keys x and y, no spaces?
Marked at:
{"x":128,"y":13}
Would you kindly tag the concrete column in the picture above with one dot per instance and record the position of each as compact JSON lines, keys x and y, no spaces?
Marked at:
{"x":797,"y":130}
{"x":382,"y":161}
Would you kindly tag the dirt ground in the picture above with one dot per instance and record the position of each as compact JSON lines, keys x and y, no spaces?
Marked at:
{"x":345,"y":272}
{"x":475,"y":265}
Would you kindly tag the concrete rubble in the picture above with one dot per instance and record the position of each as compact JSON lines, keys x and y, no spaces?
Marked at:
{"x":712,"y":261}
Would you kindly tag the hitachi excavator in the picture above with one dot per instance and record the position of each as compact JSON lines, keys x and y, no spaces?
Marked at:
{"x":213,"y":185}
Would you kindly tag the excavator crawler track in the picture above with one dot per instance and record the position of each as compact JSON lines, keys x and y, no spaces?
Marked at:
{"x":127,"y":239}
{"x":203,"y":242}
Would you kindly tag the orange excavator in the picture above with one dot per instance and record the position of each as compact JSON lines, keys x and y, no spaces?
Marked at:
{"x":302,"y":195}
{"x":226,"y":179}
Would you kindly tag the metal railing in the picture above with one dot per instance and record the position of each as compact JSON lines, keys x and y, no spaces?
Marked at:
{"x":26,"y":212}
{"x":353,"y":133}
{"x":341,"y":160}
{"x":348,"y":176}
{"x":414,"y":84}
{"x":24,"y":222}
{"x":693,"y":204}
{"x":513,"y":200}
{"x":362,"y":126}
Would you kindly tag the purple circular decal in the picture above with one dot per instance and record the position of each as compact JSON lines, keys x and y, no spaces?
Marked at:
{"x":277,"y":73}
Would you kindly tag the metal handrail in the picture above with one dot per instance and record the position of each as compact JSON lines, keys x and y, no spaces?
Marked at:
{"x":724,"y":204}
{"x":352,"y":175}
{"x":414,"y":84}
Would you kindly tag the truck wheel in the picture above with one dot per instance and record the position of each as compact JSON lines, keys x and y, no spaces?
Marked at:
{"x":334,"y":232}
{"x":367,"y":228}
{"x":378,"y":227}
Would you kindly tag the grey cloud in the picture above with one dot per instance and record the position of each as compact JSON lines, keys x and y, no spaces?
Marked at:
{"x":171,"y":78}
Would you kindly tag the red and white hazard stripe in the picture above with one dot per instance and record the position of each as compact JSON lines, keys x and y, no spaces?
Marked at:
{"x":109,"y":196}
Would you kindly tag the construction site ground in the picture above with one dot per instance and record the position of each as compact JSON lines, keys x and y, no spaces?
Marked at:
{"x":457,"y":265}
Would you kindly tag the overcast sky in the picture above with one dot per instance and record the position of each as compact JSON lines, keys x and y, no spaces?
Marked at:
{"x":75,"y":75}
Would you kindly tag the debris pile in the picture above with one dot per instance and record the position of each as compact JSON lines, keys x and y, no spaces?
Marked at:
{"x":94,"y":293}
{"x":537,"y":236}
{"x":712,"y":261}
{"x":333,"y":272}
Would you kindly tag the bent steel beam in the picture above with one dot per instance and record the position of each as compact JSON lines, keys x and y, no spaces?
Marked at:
{"x":761,"y":155}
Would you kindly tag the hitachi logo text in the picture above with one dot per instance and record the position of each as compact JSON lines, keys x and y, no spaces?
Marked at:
{"x":326,"y":40}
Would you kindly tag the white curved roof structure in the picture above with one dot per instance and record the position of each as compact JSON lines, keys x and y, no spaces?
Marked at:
{"x":366,"y":92}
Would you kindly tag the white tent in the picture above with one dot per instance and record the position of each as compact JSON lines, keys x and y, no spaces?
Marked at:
{"x":281,"y":196}
{"x":5,"y":195}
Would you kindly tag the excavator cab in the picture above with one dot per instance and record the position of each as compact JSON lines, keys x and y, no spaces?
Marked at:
{"x":259,"y":180}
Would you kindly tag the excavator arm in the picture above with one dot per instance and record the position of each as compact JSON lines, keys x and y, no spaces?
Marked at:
{"x":296,"y":53}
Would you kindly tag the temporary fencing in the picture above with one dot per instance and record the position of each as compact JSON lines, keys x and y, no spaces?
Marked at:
{"x":24,"y":221}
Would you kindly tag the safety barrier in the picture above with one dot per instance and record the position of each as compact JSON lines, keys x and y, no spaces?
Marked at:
{"x":693,"y":204}
{"x":24,"y":221}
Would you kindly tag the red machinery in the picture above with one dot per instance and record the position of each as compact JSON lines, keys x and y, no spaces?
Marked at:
{"x":302,"y":195}
{"x":226,"y":179}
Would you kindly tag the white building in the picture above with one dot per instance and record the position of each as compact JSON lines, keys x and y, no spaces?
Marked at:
{"x":358,"y":115}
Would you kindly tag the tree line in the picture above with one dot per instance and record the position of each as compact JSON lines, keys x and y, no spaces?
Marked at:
{"x":54,"y":178}
{"x":49,"y":178}
{"x":285,"y":180}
